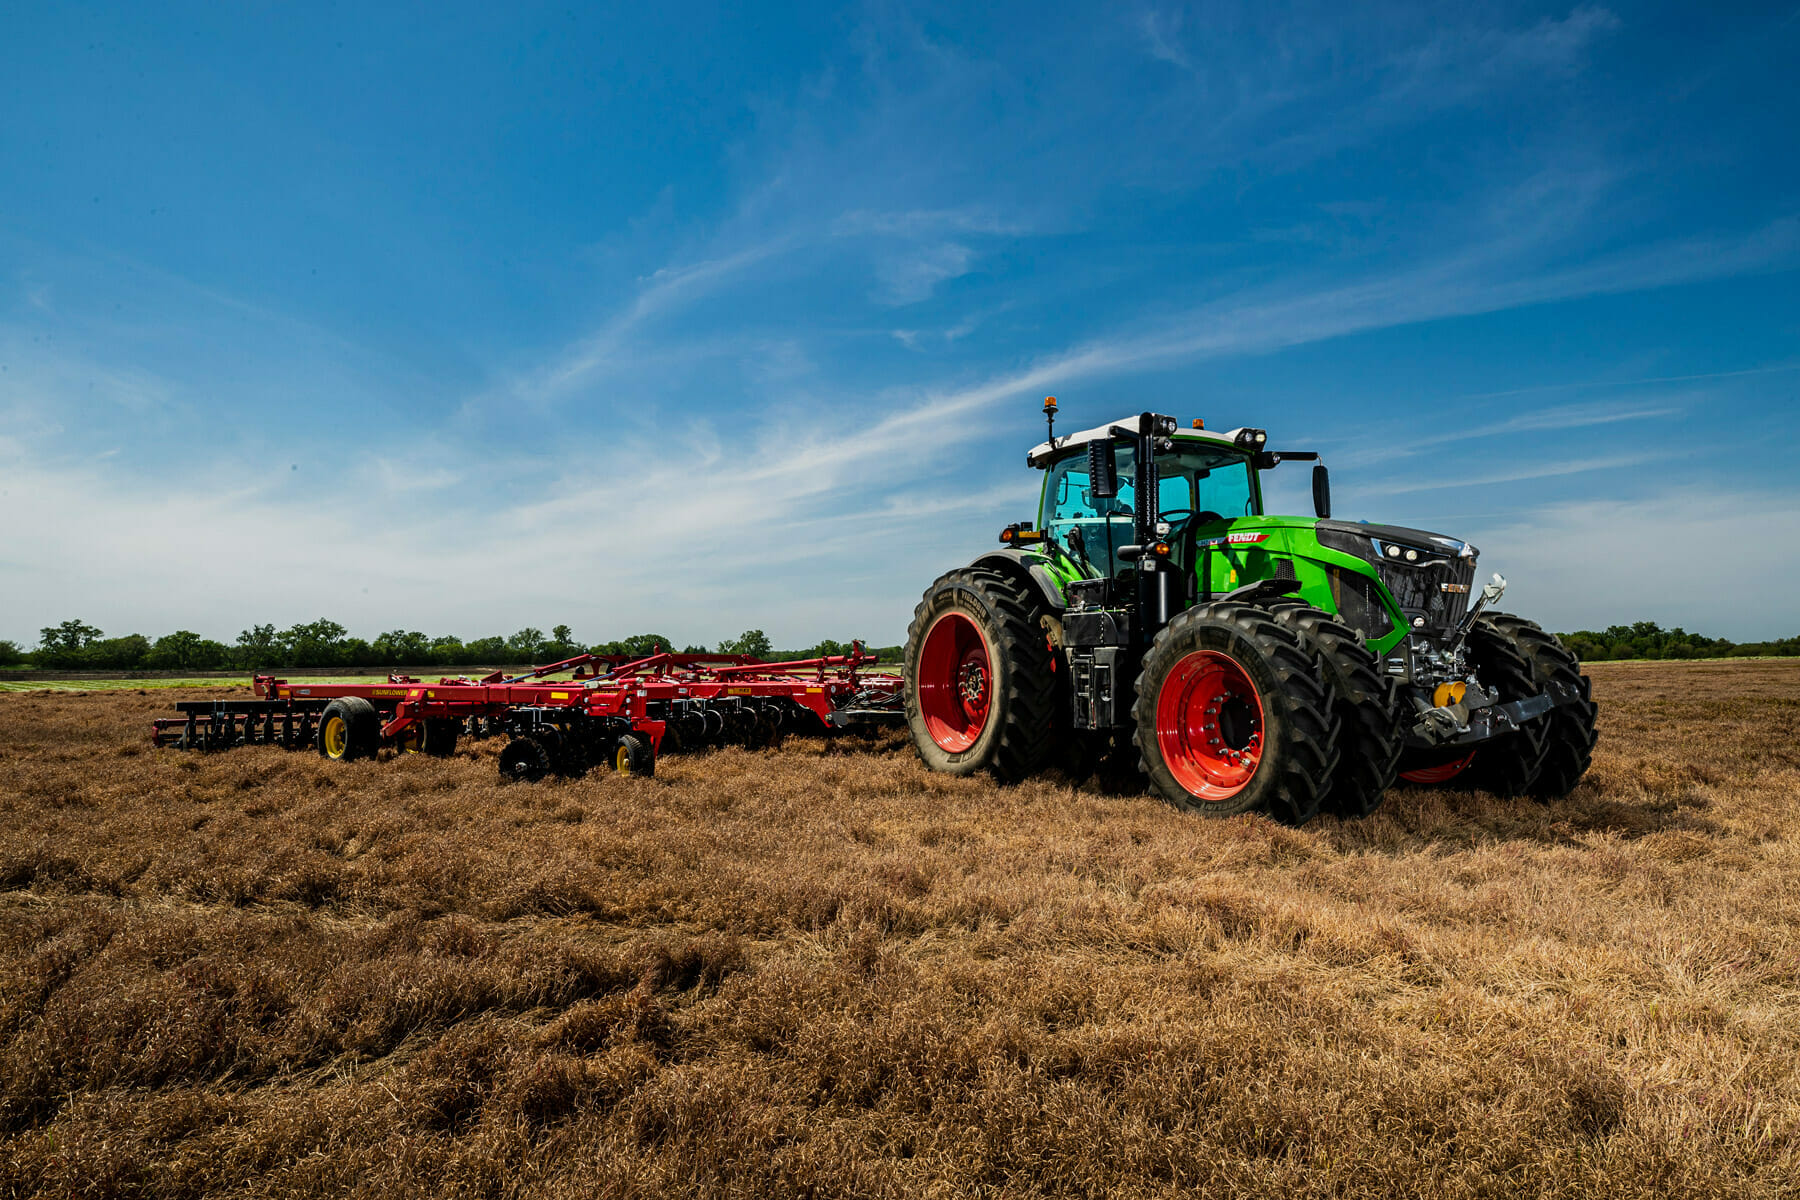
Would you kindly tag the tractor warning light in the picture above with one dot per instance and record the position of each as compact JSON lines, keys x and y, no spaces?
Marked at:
{"x":1049,"y":404}
{"x":1199,"y":424}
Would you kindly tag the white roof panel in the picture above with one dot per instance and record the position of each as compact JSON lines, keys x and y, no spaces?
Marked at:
{"x":1069,"y":441}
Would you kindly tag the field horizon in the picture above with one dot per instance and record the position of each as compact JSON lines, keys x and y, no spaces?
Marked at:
{"x":821,"y":970}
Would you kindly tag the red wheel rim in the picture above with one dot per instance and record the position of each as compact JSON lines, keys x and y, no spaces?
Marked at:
{"x":1439,"y":774}
{"x":955,"y":681}
{"x":1209,"y":725}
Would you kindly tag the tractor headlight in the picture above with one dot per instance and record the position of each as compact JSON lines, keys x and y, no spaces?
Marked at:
{"x":1165,"y":425}
{"x":1250,"y":439}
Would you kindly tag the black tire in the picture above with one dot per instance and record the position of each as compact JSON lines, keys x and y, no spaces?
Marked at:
{"x":348,"y":728}
{"x":1007,"y":678}
{"x":1508,"y":765}
{"x":633,"y":756}
{"x":1371,"y":729}
{"x":440,"y":736}
{"x":1295,"y":737}
{"x":524,"y":760}
{"x":1568,"y":729}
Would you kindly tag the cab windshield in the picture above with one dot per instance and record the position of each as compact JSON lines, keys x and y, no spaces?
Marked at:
{"x":1196,"y":488}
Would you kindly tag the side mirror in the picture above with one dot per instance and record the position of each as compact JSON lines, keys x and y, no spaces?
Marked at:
{"x":1103,"y":469}
{"x":1321,"y":490}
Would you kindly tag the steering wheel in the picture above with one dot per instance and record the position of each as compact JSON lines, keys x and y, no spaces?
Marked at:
{"x":1179,"y":517}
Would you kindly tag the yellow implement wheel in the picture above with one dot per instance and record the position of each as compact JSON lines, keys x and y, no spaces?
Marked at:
{"x":633,"y":755}
{"x":412,"y":739}
{"x":335,"y":733}
{"x":349,"y":728}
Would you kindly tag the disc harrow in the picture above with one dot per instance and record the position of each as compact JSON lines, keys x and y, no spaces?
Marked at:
{"x":614,"y":711}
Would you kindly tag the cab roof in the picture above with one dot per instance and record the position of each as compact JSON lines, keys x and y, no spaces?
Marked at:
{"x":1041,"y":454}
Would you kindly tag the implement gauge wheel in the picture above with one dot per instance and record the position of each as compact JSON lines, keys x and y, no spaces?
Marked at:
{"x":633,"y":756}
{"x":1232,"y":716}
{"x":436,"y":737}
{"x":348,"y":728}
{"x":980,"y":690}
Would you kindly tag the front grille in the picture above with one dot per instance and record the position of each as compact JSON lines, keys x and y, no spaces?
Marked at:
{"x":1420,"y":590}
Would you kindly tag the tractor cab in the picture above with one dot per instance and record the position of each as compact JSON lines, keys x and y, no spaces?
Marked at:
{"x":1199,"y":485}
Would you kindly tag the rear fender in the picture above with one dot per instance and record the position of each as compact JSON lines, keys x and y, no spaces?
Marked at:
{"x":1025,"y":567}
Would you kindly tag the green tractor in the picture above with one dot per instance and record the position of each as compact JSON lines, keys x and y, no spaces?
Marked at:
{"x":1154,"y":616}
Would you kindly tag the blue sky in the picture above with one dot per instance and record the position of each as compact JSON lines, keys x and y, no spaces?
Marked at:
{"x":466,"y":318}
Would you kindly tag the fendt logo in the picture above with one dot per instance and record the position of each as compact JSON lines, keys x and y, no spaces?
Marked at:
{"x":1234,"y":539}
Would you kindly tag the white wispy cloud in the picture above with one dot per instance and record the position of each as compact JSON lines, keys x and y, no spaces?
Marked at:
{"x":1403,"y":439}
{"x":664,"y":292}
{"x":1588,"y":563}
{"x":1528,"y":470}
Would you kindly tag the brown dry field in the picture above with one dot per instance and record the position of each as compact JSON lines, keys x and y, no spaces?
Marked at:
{"x":819,"y":970}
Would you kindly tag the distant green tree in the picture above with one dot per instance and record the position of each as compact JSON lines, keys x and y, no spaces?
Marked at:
{"x":526,"y":646}
{"x":449,"y":652}
{"x":753,"y":642}
{"x":258,"y":648}
{"x":400,"y":647}
{"x":562,"y":644}
{"x":65,"y":647}
{"x":638,"y":645}
{"x":118,"y":654}
{"x":317,"y":643}
{"x":185,"y":650}
{"x":10,"y":654}
{"x":489,"y":651}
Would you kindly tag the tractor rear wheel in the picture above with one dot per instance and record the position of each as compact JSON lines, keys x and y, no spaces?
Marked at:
{"x":1232,"y":716}
{"x":980,"y":685}
{"x":1508,"y":765}
{"x":1568,"y":729}
{"x":349,"y":728}
{"x":1365,"y":702}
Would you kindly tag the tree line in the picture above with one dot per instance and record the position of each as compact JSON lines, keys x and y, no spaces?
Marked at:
{"x":77,"y":646}
{"x":1647,"y":639}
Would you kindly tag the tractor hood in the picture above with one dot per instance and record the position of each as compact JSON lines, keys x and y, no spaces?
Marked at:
{"x":1400,"y":535}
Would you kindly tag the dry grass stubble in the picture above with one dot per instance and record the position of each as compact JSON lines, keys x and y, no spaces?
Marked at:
{"x":822,"y":970}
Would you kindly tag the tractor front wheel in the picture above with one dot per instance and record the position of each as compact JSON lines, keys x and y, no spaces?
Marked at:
{"x":1232,"y":716}
{"x":1508,"y":765}
{"x":980,"y":685}
{"x":1568,"y":729}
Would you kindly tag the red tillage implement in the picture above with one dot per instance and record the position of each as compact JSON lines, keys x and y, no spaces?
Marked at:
{"x":623,"y":713}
